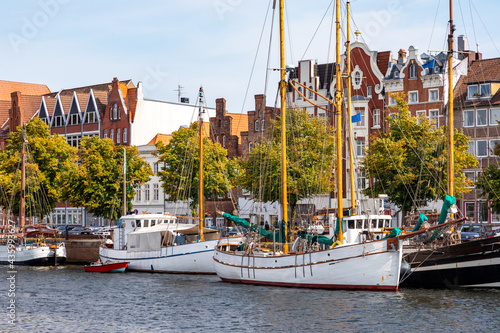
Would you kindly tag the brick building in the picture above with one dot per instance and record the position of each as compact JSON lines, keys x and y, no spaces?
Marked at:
{"x":477,"y":112}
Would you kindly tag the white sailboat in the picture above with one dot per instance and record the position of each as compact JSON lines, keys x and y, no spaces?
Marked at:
{"x":353,"y":264}
{"x":20,"y":250}
{"x":157,"y":242}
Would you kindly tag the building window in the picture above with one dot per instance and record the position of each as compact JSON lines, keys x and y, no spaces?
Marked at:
{"x":262,"y":126}
{"x":433,"y":95}
{"x":138,"y":194}
{"x":482,"y":212}
{"x":256,"y":125}
{"x":115,"y":111}
{"x":146,"y":192}
{"x":361,"y":180}
{"x":421,"y":115}
{"x":156,"y":192}
{"x":112,"y":135}
{"x":250,"y":146}
{"x":124,"y":135}
{"x":396,"y":74}
{"x":360,"y":147}
{"x":485,"y":90}
{"x":470,"y":210}
{"x":105,"y":134}
{"x":118,"y":136}
{"x":434,"y":118}
{"x":58,"y":121}
{"x":369,"y":91}
{"x":468,"y":118}
{"x":472,"y":148}
{"x":470,"y":176}
{"x":376,"y":118}
{"x":311,"y":94}
{"x":413,"y":71}
{"x":91,"y":118}
{"x":300,"y":92}
{"x":224,"y":141}
{"x":392,"y":100}
{"x":413,"y":97}
{"x":361,"y":112}
{"x":357,"y":79}
{"x":481,"y":118}
{"x":494,"y":117}
{"x":119,"y":113}
{"x":217,"y":139}
{"x":494,"y":144}
{"x":482,"y":148}
{"x":74,"y":119}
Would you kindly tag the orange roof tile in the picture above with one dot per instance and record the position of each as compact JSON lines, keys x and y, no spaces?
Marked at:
{"x":165,"y":138}
{"x":8,"y":87}
{"x":239,"y":123}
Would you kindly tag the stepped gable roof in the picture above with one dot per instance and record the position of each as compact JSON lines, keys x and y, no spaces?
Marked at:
{"x":132,"y":103}
{"x":33,"y":89}
{"x":480,"y":71}
{"x":326,"y":72}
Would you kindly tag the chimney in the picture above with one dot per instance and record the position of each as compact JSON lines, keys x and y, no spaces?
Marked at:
{"x":463,"y":46}
{"x":260,"y":104}
{"x":16,"y":113}
{"x":401,"y":56}
{"x":220,"y":107}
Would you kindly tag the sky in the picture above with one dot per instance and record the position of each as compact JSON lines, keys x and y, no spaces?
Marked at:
{"x":220,"y":44}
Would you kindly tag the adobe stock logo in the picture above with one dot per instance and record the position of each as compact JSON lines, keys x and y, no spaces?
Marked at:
{"x":31,"y":26}
{"x":223,"y":6}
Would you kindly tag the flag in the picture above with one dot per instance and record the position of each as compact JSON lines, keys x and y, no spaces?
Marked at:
{"x":429,"y":64}
{"x":356,"y":118}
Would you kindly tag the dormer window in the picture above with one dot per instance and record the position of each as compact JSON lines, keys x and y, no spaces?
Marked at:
{"x":482,"y":90}
{"x":396,"y":74}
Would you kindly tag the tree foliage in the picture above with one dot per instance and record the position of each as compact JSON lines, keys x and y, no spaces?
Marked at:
{"x":180,"y":167}
{"x":310,"y":158}
{"x":409,"y":161}
{"x":97,"y":183}
{"x":489,"y":182}
{"x":49,"y":160}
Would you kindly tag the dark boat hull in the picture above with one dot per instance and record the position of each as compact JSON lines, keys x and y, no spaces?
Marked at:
{"x":474,"y":264}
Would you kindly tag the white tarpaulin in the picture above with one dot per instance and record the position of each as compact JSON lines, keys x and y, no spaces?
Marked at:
{"x":142,"y":242}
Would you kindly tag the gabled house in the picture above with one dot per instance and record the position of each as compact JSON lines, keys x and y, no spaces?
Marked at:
{"x":477,"y":113}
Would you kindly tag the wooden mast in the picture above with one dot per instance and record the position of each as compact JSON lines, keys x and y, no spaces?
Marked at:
{"x":338,"y":110}
{"x":23,"y":180}
{"x":200,"y":185}
{"x":283,"y":128}
{"x":451,"y":144}
{"x":124,"y":181}
{"x":349,"y":114}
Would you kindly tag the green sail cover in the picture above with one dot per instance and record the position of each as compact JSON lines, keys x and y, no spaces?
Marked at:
{"x":448,"y":202}
{"x":395,"y":232}
{"x":279,"y":236}
{"x":315,"y":238}
{"x":421,"y":219}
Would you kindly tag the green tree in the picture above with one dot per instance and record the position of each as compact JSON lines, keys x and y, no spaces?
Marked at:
{"x":310,"y":158}
{"x":97,"y":183}
{"x":489,"y":182}
{"x":409,"y":161}
{"x":49,"y":161}
{"x":180,"y":171}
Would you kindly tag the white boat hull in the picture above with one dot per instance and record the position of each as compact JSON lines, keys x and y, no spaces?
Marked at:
{"x":32,"y":255}
{"x":366,"y":266}
{"x":186,"y":258}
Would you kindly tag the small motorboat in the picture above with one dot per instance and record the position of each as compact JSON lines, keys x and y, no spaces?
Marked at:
{"x":107,"y":267}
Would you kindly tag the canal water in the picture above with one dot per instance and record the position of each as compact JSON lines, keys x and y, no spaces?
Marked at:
{"x":67,"y":299}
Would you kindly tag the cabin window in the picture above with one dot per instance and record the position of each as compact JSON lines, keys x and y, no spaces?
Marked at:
{"x":374,"y":224}
{"x":386,"y":223}
{"x":153,"y":223}
{"x":145,"y":223}
{"x":350,"y":224}
{"x":138,"y":223}
{"x":359,"y":224}
{"x":132,"y":224}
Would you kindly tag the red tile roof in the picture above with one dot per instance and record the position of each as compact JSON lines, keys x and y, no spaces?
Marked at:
{"x":8,"y":87}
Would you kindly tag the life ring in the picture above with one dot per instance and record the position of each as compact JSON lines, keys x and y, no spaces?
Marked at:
{"x":38,"y":240}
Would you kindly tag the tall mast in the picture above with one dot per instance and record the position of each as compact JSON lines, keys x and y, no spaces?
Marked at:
{"x":451,"y":144}
{"x":200,"y":185}
{"x":349,"y":114}
{"x":124,"y":181}
{"x":338,"y":102}
{"x":283,"y":126}
{"x":23,"y":179}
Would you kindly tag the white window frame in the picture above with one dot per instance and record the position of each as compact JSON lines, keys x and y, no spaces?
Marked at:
{"x":472,"y":147}
{"x":481,"y":90}
{"x":413,"y":71}
{"x":361,"y":180}
{"x":125,"y":135}
{"x":493,"y":144}
{"x":112,"y":135}
{"x":118,"y":135}
{"x":485,"y":123}
{"x":262,"y":127}
{"x":477,"y":148}
{"x":472,"y":176}
{"x":156,"y":192}
{"x":360,"y":147}
{"x":392,"y":101}
{"x":472,"y":94}
{"x":430,"y":95}
{"x":376,"y":118}
{"x":434,"y":119}
{"x":105,"y":134}
{"x":472,"y":117}
{"x":369,"y":91}
{"x":146,"y":192}
{"x":494,"y":119}
{"x":419,"y":115}
{"x":410,"y":94}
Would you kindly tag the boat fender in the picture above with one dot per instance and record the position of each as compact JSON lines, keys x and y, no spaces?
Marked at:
{"x":335,"y":244}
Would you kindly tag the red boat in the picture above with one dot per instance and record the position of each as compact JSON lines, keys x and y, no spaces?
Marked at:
{"x":107,"y":267}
